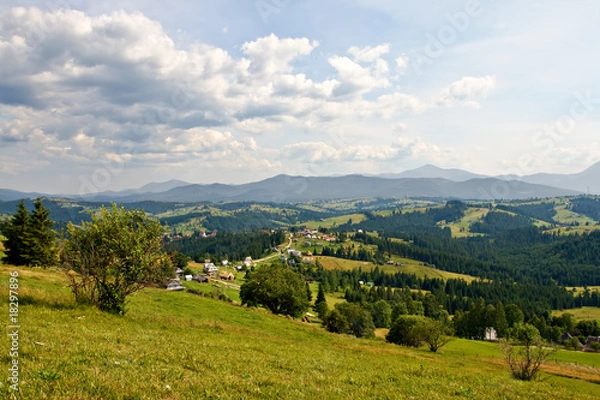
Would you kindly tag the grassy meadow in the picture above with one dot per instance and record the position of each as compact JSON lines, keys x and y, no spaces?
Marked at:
{"x":410,"y":267}
{"x":181,"y":346}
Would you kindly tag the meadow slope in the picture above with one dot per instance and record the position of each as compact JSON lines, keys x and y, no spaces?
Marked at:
{"x":181,"y":346}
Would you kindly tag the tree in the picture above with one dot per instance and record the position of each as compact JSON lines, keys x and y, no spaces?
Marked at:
{"x":321,"y":302}
{"x":17,"y":236}
{"x":359,"y":320}
{"x":501,"y":324}
{"x":277,"y":288}
{"x":29,"y":237}
{"x":514,"y":315}
{"x":335,"y":322}
{"x":309,"y":294}
{"x":114,"y":255}
{"x":525,"y":351}
{"x":402,"y":331}
{"x":381,"y":313}
{"x":42,"y":250}
{"x":435,"y":333}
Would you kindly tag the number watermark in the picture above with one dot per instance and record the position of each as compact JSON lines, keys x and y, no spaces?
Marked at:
{"x":13,"y":330}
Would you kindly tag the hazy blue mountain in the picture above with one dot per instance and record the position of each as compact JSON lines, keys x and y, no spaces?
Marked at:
{"x":587,"y":180}
{"x":427,"y":181}
{"x":284,"y":188}
{"x":431,"y":171}
{"x":152,"y":187}
{"x":10,"y":195}
{"x":157,"y":187}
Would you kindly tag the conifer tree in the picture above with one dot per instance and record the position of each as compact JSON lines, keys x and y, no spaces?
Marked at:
{"x":321,"y":306}
{"x":41,"y":249}
{"x":17,"y":236}
{"x":29,"y":237}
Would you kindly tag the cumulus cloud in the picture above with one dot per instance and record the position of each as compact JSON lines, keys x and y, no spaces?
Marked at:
{"x":368,"y":53}
{"x":467,"y":90}
{"x":116,"y":87}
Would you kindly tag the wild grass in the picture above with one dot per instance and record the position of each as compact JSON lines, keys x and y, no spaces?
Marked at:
{"x":180,"y":346}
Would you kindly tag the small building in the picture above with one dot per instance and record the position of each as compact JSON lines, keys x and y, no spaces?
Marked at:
{"x":175,"y":284}
{"x":201,"y":278}
{"x":491,"y":334}
{"x":592,"y":344}
{"x":188,"y":277}
{"x":210,"y":268}
{"x":228,"y":276}
{"x":224,"y":262}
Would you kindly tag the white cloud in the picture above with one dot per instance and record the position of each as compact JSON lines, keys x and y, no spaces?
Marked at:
{"x":467,"y":90}
{"x":270,"y":55}
{"x":85,"y":89}
{"x":368,"y":53}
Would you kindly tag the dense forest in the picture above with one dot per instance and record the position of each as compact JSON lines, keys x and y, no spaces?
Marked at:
{"x":231,"y":245}
{"x":588,"y":206}
{"x":512,"y":248}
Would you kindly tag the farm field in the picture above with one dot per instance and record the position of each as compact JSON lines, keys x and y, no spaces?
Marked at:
{"x":179,"y":346}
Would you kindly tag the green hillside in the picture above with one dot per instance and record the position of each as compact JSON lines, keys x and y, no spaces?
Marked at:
{"x":180,"y":346}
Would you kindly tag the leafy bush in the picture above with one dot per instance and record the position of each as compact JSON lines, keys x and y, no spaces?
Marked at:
{"x":116,"y":254}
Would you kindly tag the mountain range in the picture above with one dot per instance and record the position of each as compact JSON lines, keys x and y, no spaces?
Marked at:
{"x":426,"y":181}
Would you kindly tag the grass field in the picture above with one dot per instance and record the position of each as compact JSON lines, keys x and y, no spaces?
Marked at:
{"x":582,"y":313}
{"x":180,"y":346}
{"x":461,"y":228}
{"x":335,"y":221}
{"x":565,"y":216}
{"x":409,"y":267}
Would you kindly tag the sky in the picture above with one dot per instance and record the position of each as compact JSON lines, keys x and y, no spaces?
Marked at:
{"x":110,"y":95}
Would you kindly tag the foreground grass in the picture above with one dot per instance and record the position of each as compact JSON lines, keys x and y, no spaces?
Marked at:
{"x":181,"y":346}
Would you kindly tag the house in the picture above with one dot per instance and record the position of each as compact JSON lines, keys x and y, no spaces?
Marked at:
{"x":210,"y":268}
{"x":295,"y":253}
{"x":175,"y":284}
{"x":201,"y":278}
{"x":178,"y":271}
{"x":188,"y":277}
{"x":592,"y":344}
{"x":239,"y":267}
{"x":491,"y":334}
{"x":224,"y":262}
{"x":228,"y":276}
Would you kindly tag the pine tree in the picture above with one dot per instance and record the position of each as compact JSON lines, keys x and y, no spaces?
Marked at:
{"x":309,"y":294}
{"x":41,"y":249}
{"x":501,"y":324}
{"x":17,"y":236}
{"x":321,"y":303}
{"x":30,"y":238}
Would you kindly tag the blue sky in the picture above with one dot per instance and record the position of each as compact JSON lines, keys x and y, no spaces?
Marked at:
{"x":104,"y":95}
